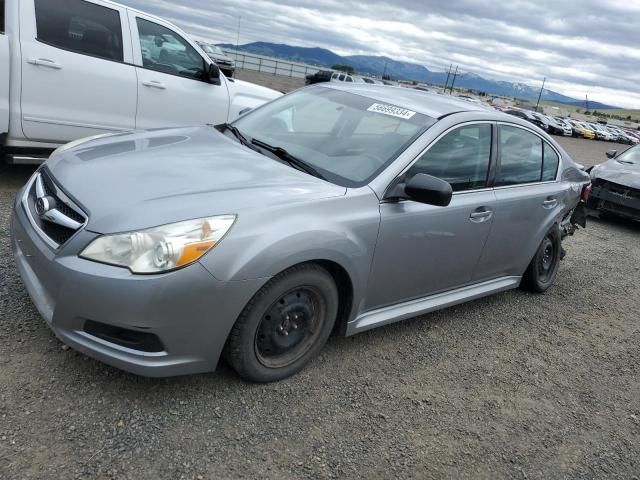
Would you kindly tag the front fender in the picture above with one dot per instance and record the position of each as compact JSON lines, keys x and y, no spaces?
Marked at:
{"x":266,"y":242}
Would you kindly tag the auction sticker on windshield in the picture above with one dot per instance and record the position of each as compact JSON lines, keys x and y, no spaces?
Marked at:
{"x":391,"y":110}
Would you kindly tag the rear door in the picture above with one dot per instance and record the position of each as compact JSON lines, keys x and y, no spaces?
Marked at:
{"x":424,"y":249}
{"x":76,"y":74}
{"x":4,"y":75}
{"x":529,"y":198}
{"x":171,"y":86}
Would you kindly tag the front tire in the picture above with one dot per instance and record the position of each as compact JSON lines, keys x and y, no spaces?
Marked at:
{"x":543,"y":269}
{"x":285,"y":325}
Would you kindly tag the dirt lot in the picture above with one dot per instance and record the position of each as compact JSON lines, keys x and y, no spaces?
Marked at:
{"x":512,"y":386}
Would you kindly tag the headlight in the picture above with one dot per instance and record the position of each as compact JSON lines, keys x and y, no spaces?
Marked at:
{"x":160,"y":249}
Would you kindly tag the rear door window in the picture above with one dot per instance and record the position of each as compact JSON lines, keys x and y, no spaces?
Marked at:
{"x":520,"y":157}
{"x":461,"y":157}
{"x":80,"y":27}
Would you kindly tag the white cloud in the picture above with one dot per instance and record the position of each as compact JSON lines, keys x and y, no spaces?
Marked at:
{"x":587,"y":46}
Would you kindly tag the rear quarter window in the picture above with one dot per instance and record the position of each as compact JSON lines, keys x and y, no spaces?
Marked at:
{"x":550,"y":161}
{"x":1,"y":16}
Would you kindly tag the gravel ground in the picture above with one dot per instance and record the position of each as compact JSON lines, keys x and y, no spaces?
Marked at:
{"x":516,"y":385}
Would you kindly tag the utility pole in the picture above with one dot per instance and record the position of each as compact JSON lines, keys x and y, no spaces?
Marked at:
{"x":384,"y":73}
{"x":453,"y":80}
{"x":238,"y":37}
{"x":586,"y":102}
{"x":448,"y":75}
{"x":540,"y":95}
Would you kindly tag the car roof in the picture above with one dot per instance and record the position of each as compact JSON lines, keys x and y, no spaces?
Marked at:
{"x":431,"y":104}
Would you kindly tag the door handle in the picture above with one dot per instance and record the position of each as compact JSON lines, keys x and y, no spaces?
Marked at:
{"x":45,"y":62}
{"x":481,"y":214}
{"x":154,"y":84}
{"x":550,"y":203}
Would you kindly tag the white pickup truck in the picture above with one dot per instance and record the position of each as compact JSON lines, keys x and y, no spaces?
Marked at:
{"x":75,"y":68}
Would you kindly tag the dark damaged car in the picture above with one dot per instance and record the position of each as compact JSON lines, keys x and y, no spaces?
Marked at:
{"x":616,"y":184}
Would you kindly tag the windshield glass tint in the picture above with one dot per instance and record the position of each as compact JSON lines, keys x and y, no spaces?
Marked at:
{"x":632,"y":155}
{"x":336,"y":132}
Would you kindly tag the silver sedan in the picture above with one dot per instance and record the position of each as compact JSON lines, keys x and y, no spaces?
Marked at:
{"x":336,"y":208}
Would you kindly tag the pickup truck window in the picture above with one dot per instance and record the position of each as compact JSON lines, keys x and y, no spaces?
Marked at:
{"x":81,"y":27}
{"x":165,"y":51}
{"x":1,"y":16}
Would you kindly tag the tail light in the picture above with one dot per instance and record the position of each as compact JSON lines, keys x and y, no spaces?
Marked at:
{"x":586,"y":191}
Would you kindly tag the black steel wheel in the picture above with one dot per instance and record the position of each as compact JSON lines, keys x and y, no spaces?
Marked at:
{"x":543,"y":268}
{"x":284,"y":325}
{"x":289,"y":327}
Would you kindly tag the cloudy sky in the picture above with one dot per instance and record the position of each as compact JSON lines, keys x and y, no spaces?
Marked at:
{"x":582,"y":47}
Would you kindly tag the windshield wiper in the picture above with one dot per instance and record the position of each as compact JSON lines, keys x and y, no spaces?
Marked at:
{"x":236,"y":133}
{"x":282,"y":154}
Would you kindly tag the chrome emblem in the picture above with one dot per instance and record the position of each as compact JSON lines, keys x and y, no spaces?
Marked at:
{"x":44,"y":204}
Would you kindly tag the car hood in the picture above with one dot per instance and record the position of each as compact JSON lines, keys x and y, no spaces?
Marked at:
{"x":620,"y":173}
{"x":137,"y":180}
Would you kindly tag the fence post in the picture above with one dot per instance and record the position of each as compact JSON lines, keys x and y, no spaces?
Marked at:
{"x":275,"y":70}
{"x":260,"y":65}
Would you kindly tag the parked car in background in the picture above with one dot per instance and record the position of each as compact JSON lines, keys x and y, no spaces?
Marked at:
{"x":601,"y":132}
{"x":78,"y":68}
{"x":616,"y":184}
{"x":634,"y":135}
{"x":619,"y":135}
{"x":575,"y":131}
{"x":372,"y":81}
{"x":526,"y":115}
{"x":226,"y":64}
{"x":587,"y":132}
{"x":551,"y":125}
{"x":346,"y":77}
{"x":336,"y":208}
{"x":319,"y":77}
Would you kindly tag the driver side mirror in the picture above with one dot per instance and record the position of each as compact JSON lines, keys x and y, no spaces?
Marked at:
{"x":426,"y":189}
{"x":612,"y":153}
{"x":213,"y":73}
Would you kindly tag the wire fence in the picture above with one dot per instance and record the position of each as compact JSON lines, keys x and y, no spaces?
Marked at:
{"x":274,"y":66}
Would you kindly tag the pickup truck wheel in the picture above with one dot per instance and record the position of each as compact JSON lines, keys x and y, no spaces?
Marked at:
{"x":542,"y":271}
{"x":284,"y":325}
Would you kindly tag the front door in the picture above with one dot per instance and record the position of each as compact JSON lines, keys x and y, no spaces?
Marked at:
{"x":172,"y":91}
{"x":76,"y":74}
{"x":424,"y":249}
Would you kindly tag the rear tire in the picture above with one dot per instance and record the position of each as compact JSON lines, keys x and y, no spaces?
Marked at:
{"x":285,"y":325}
{"x":543,"y":269}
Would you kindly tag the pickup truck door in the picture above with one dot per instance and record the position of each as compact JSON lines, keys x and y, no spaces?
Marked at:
{"x":77,"y":77}
{"x":172,"y":90}
{"x":4,"y":78}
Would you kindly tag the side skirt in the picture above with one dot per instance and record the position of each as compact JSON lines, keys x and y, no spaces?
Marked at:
{"x":420,"y":306}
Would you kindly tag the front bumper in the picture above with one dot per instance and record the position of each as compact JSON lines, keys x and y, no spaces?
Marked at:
{"x":623,"y":204}
{"x":189,"y":311}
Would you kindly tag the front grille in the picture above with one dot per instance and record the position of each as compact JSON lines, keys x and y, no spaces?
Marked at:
{"x":60,"y":222}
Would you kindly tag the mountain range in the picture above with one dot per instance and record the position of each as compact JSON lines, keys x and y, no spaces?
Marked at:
{"x":376,"y":65}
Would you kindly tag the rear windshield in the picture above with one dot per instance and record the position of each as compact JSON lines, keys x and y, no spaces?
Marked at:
{"x":348,"y":138}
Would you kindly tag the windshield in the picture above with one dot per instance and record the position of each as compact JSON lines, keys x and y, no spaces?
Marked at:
{"x":630,"y":156}
{"x":210,"y":49}
{"x":346,"y":137}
